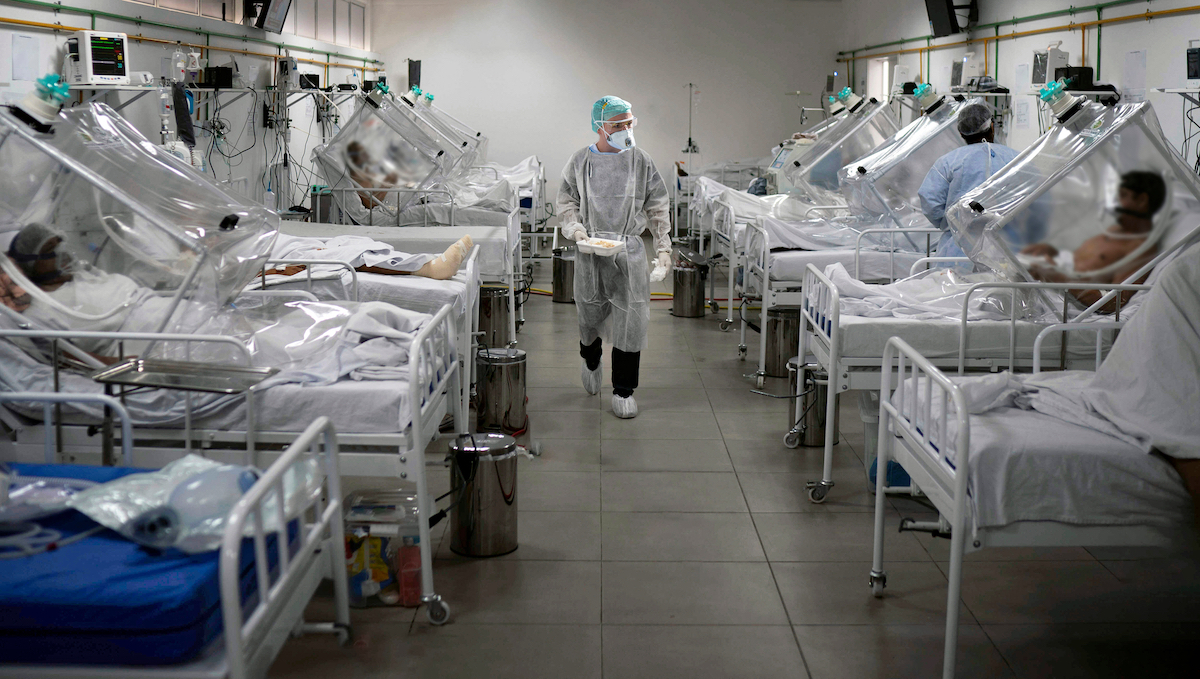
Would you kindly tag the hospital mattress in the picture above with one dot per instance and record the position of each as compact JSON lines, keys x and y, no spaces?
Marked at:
{"x":1028,"y":466}
{"x":790,"y":265}
{"x":496,"y":243}
{"x":105,"y":600}
{"x":863,"y":337}
{"x":435,"y":214}
{"x":354,"y":406}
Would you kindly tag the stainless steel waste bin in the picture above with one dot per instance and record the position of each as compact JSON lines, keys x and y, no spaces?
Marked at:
{"x":493,"y":315}
{"x":783,"y":336}
{"x":690,"y":270}
{"x":501,"y":390}
{"x":812,"y":404}
{"x":564,"y":276}
{"x":483,"y":475}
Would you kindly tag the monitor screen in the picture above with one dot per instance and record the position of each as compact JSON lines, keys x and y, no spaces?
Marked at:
{"x":1040,"y":64}
{"x":956,"y":73}
{"x":273,"y":14}
{"x":108,"y":55}
{"x":942,"y":19}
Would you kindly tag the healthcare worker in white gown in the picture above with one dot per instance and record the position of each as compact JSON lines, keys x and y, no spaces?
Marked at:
{"x":612,"y":190}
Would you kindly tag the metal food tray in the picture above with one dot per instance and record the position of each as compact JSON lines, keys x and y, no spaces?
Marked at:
{"x":184,"y":376}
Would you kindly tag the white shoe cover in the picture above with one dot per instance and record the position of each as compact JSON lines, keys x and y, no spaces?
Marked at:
{"x":592,"y":378}
{"x":624,"y":407}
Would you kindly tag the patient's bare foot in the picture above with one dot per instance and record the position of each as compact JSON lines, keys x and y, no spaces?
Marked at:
{"x":445,"y":265}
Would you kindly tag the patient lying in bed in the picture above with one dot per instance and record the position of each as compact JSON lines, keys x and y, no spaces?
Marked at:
{"x":1140,"y":196}
{"x":363,"y":171}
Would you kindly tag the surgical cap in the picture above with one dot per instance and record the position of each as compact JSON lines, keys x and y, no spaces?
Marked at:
{"x":608,"y":108}
{"x":26,"y":247}
{"x":974,"y":119}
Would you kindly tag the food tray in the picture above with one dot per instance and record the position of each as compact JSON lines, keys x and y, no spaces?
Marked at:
{"x":603,"y":247}
{"x":184,"y":376}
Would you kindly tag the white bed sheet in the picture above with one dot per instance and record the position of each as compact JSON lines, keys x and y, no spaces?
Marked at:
{"x":407,"y":292}
{"x":790,"y":265}
{"x":863,"y":337}
{"x":1028,"y":466}
{"x":495,"y":242}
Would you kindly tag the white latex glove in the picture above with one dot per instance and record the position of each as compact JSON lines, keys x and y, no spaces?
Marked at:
{"x":662,"y":266}
{"x":574,"y":231}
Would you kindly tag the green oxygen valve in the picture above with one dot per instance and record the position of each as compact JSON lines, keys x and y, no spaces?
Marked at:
{"x":47,"y":98}
{"x":845,"y":94}
{"x":428,"y":98}
{"x":1061,"y":104}
{"x":926,"y":96}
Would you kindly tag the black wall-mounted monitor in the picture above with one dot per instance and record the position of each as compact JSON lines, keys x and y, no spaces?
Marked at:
{"x":944,"y":16}
{"x":272,"y":15}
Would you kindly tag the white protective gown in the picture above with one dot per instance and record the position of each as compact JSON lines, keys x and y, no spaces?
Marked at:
{"x":615,"y":195}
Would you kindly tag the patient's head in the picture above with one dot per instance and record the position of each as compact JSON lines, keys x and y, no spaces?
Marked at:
{"x":1140,"y":195}
{"x":36,"y":252}
{"x":358,"y":154}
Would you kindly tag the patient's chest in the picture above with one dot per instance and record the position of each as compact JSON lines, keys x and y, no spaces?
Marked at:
{"x":1100,"y":251}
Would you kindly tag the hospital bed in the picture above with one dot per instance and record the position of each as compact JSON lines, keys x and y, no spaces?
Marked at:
{"x":387,"y":423}
{"x":102,"y":606}
{"x":848,"y":348}
{"x":499,"y":259}
{"x":776,"y":276}
{"x":1091,"y":489}
{"x":328,"y":280}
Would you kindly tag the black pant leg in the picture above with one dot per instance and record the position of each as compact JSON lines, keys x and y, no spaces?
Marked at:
{"x":625,"y":371}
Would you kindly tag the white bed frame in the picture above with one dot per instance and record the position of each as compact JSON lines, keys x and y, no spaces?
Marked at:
{"x":757,"y":281}
{"x":251,"y":641}
{"x":393,"y":455}
{"x":900,"y":439}
{"x":820,"y":336}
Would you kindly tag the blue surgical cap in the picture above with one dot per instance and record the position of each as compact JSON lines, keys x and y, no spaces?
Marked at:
{"x":608,"y":108}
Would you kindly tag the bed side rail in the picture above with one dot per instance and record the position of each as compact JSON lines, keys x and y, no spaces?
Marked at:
{"x":822,"y":208}
{"x":757,"y":263}
{"x":381,"y":203}
{"x":67,"y":335}
{"x":821,"y":306}
{"x":926,"y":261}
{"x":308,"y":264}
{"x":1064,"y":328}
{"x":1015,"y":288}
{"x":919,"y":412}
{"x":318,"y":509}
{"x":433,"y":362}
{"x":927,"y":230}
{"x":50,"y":432}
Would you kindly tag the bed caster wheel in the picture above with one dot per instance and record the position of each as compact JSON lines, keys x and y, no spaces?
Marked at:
{"x":878,"y":584}
{"x":817,"y":493}
{"x":725,"y":326}
{"x":437,"y":611}
{"x":741,"y":353}
{"x":716,"y":308}
{"x":759,"y":381}
{"x":792,"y":439}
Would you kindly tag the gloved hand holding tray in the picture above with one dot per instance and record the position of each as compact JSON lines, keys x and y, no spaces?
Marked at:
{"x":603,"y":247}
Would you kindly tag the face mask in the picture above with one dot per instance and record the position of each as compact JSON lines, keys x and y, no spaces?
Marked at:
{"x":621,"y":140}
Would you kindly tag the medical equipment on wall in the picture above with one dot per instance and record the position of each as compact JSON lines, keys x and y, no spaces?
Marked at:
{"x":98,"y":58}
{"x":180,"y":150}
{"x":900,"y":75}
{"x":1044,"y":64}
{"x":964,"y":73}
{"x":1193,"y":65}
{"x":166,"y":109}
{"x":289,"y":72}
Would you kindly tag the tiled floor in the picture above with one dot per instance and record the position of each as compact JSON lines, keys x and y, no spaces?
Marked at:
{"x":682,"y":544}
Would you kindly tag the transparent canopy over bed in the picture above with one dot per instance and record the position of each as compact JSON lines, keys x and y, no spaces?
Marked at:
{"x":448,"y":126}
{"x":387,"y":145}
{"x":1063,"y":190}
{"x":121,"y":204}
{"x":815,"y":175}
{"x":884,"y":182}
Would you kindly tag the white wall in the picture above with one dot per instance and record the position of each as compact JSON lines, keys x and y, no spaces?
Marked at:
{"x":244,"y":118}
{"x":526,"y":72}
{"x":1165,"y":39}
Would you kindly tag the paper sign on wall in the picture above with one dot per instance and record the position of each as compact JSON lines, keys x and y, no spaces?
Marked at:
{"x":26,"y":54}
{"x":1021,"y":114}
{"x":1133,"y":84}
{"x":1022,"y":78}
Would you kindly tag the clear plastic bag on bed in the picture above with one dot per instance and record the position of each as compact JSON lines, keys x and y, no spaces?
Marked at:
{"x":815,"y":175}
{"x":186,"y":504}
{"x":1062,"y":191}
